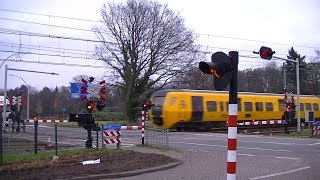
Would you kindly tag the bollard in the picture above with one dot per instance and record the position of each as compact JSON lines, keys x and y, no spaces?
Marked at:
{"x":35,"y":136}
{"x":56,"y":137}
{"x":97,"y":126}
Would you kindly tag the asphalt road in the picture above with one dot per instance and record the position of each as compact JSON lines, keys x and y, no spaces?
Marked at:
{"x":258,"y":157}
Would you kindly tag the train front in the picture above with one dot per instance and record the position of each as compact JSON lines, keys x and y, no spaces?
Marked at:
{"x":155,"y":114}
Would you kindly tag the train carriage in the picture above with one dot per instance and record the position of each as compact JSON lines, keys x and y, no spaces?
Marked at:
{"x":202,"y":109}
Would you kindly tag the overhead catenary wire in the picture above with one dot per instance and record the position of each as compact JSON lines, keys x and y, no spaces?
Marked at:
{"x":39,"y":48}
{"x":43,"y":24}
{"x":49,"y":15}
{"x":25,"y":33}
{"x":97,"y":21}
{"x":45,"y":54}
{"x":57,"y":64}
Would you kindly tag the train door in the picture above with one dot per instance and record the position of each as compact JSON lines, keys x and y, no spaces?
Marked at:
{"x":197,"y":108}
{"x":183,"y":109}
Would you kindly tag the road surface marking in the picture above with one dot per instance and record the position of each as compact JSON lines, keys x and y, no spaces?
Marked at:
{"x":281,"y":173}
{"x":288,"y":158}
{"x":315,"y":143}
{"x":276,"y":150}
{"x":251,"y":155}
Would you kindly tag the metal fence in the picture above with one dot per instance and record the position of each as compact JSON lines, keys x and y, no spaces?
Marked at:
{"x":157,"y":137}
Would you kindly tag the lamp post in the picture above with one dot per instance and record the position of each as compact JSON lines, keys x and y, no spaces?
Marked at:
{"x":27,"y":94}
{"x":5,"y":95}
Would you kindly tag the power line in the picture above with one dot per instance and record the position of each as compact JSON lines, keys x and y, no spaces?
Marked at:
{"x":54,"y":55}
{"x":50,"y":15}
{"x":43,"y":49}
{"x":25,"y":33}
{"x":47,"y":47}
{"x":88,"y":20}
{"x":57,"y":64}
{"x":43,"y":24}
{"x":260,"y":41}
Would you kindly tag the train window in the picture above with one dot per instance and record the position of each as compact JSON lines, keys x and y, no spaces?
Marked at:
{"x":282,"y":106}
{"x":221,"y":106}
{"x":172,"y":100}
{"x":248,"y":106}
{"x":211,"y":106}
{"x":259,"y":106}
{"x":308,"y":107}
{"x":269,"y":106}
{"x":315,"y":107}
{"x":182,"y":104}
{"x":158,"y":100}
{"x":301,"y":107}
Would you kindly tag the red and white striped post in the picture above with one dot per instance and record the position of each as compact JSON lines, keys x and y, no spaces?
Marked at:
{"x":142,"y":125}
{"x":232,"y":142}
{"x":232,"y":120}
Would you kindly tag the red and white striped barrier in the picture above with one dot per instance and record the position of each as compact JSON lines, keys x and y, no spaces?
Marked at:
{"x":47,"y":121}
{"x":112,"y":141}
{"x":111,"y":137}
{"x":131,"y":127}
{"x":111,"y":133}
{"x":256,"y":123}
{"x":316,"y":130}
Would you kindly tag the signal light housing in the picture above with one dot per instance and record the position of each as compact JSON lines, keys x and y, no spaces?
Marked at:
{"x":147,"y":105}
{"x":90,"y":106}
{"x":220,"y":67}
{"x":100,"y":106}
{"x":266,"y":52}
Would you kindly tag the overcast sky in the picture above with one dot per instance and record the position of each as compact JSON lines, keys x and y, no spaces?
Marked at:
{"x":242,"y":25}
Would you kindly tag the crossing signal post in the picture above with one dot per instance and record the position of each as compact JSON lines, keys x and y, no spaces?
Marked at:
{"x":145,"y":106}
{"x":224,"y":68}
{"x":267,"y":53}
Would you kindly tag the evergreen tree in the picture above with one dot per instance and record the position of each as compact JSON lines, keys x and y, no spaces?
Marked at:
{"x":291,"y":72}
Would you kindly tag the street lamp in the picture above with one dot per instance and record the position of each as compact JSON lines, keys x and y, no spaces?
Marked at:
{"x":27,"y":95}
{"x":10,"y":57}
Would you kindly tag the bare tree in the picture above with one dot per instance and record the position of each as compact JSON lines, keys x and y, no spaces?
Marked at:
{"x":146,"y":45}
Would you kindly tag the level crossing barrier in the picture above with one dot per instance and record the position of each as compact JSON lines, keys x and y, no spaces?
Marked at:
{"x":257,"y":123}
{"x":316,"y":131}
{"x":47,"y":121}
{"x":111,"y":134}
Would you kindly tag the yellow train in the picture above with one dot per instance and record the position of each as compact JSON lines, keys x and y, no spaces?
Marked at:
{"x":206,"y":109}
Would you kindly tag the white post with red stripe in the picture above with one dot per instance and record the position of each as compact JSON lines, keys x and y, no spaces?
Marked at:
{"x":232,"y":120}
{"x":232,"y":142}
{"x":142,"y":124}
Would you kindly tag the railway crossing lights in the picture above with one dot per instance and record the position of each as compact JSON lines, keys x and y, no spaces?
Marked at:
{"x":220,"y":67}
{"x":146,"y":105}
{"x":266,"y":52}
{"x":90,"y":105}
{"x":100,"y":106}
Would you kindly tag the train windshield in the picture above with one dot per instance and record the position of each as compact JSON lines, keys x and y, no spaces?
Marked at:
{"x":158,"y":100}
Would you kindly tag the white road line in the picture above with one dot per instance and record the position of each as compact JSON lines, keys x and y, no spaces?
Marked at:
{"x":261,"y":149}
{"x":177,"y":138}
{"x":251,"y":155}
{"x":288,"y":158}
{"x":315,"y":143}
{"x":281,"y":173}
